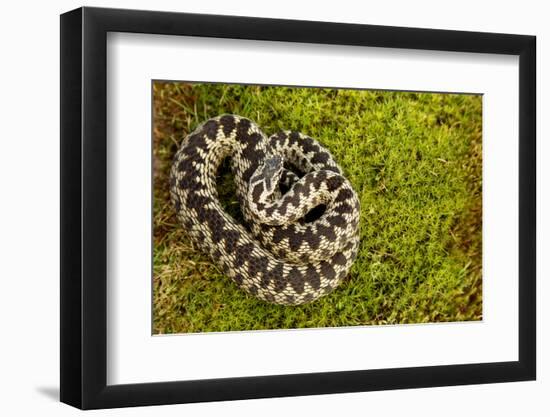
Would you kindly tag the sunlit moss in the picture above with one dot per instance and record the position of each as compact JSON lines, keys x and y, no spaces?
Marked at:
{"x":414,"y":160}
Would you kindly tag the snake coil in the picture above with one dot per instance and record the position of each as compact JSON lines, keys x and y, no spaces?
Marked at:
{"x":278,"y":255}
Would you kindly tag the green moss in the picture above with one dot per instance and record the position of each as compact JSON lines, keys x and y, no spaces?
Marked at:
{"x":414,"y":160}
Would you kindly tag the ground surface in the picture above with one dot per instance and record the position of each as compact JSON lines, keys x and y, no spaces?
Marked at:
{"x":414,"y":160}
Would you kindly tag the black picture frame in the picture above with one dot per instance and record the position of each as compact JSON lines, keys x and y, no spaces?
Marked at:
{"x":84,"y":207}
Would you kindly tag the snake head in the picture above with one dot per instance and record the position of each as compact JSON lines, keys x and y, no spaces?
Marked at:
{"x":265,"y":179}
{"x":273,"y":167}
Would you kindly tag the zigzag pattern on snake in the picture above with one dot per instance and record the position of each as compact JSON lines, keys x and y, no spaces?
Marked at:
{"x":277,"y":255}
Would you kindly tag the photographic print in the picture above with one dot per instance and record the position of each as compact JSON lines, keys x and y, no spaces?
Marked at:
{"x":278,"y":207}
{"x":271,"y":209}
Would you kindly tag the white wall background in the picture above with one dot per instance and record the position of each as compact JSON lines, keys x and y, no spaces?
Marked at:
{"x":29,"y":225}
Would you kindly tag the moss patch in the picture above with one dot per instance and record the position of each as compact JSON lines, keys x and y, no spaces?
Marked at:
{"x":414,"y":160}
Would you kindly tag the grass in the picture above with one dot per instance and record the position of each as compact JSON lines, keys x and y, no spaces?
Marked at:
{"x":415,"y":161}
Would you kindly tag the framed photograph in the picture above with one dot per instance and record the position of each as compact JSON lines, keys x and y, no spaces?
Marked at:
{"x":256,"y":208}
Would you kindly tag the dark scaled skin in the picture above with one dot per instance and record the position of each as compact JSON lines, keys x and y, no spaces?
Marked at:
{"x":288,"y":263}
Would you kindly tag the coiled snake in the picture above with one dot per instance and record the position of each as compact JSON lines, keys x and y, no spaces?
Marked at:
{"x":278,"y":255}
